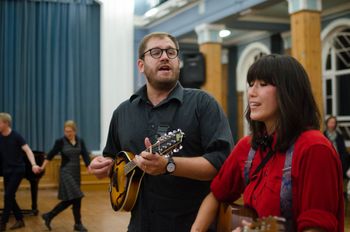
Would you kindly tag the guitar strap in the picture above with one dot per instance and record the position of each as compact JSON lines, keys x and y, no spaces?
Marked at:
{"x":286,"y":185}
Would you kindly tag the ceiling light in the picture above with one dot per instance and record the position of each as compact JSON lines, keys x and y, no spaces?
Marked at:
{"x":224,"y":33}
{"x":152,"y":12}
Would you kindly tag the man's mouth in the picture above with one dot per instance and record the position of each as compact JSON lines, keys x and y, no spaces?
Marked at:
{"x":164,"y":68}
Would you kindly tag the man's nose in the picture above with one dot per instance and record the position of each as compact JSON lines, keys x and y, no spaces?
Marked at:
{"x":164,"y":56}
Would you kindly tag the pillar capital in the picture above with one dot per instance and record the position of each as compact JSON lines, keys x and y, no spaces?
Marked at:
{"x":287,"y":40}
{"x":300,"y":5}
{"x":209,"y":33}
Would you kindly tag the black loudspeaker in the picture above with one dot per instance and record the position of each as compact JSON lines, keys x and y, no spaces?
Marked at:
{"x":192,"y":72}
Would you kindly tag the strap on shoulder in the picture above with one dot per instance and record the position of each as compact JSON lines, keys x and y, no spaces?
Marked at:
{"x":248,"y":164}
{"x":286,"y":193}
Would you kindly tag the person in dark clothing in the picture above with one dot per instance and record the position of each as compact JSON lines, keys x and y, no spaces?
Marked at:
{"x":70,"y":147}
{"x":338,"y":142}
{"x":12,"y":150}
{"x":173,"y":187}
{"x":34,"y":180}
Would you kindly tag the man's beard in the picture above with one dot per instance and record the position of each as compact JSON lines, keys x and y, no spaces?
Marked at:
{"x":165,"y":84}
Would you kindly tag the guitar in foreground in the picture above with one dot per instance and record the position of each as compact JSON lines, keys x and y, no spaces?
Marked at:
{"x":126,"y":177}
{"x":230,"y":217}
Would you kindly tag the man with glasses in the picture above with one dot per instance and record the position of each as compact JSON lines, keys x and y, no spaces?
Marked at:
{"x":173,"y":187}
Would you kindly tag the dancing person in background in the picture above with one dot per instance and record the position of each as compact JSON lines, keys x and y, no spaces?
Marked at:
{"x":338,"y":142}
{"x":12,"y":150}
{"x":173,"y":187}
{"x":70,"y":147}
{"x":285,"y":167}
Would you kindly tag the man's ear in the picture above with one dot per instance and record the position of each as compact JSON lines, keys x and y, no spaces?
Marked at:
{"x":141,"y":65}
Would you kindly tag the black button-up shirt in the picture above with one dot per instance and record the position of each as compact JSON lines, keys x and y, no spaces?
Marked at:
{"x":169,"y":203}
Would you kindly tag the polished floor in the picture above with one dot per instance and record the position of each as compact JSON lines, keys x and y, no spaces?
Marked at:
{"x":97,"y":214}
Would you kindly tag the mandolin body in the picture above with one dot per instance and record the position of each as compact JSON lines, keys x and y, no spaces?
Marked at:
{"x":124,"y":188}
{"x":126,"y":177}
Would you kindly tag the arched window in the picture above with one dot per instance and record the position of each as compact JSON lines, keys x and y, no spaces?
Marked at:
{"x":249,"y":55}
{"x":336,"y":77}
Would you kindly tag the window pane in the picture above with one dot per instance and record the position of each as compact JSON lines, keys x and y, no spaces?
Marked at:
{"x":343,"y":93}
{"x":328,"y":61}
{"x":344,"y":132}
{"x":328,"y":87}
{"x":342,"y":49}
{"x":343,"y":61}
{"x":329,"y":106}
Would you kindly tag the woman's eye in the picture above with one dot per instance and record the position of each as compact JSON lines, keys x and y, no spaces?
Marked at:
{"x":251,"y":83}
{"x":262,"y":83}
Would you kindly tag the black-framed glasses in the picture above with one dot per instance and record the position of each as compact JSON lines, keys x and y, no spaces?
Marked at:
{"x":156,"y":53}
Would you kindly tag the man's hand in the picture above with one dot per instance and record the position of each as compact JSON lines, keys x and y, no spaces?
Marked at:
{"x":100,"y":166}
{"x":152,"y":164}
{"x":36,"y":169}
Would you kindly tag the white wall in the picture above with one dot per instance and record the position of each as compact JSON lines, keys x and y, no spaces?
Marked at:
{"x":116,"y":58}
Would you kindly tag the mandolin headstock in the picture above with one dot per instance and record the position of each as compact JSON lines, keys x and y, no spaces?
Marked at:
{"x":170,"y":142}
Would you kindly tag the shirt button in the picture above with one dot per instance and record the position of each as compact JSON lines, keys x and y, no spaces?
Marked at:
{"x":152,"y":126}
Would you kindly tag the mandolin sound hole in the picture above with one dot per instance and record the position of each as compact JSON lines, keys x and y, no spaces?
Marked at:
{"x":115,"y":180}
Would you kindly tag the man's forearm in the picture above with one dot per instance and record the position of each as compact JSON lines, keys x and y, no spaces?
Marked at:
{"x":197,"y":168}
{"x":29,"y":154}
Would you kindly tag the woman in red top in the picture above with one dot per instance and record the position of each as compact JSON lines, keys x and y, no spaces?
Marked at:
{"x":283,"y":119}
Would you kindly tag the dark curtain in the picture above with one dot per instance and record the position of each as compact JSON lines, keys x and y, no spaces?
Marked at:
{"x":50,"y":68}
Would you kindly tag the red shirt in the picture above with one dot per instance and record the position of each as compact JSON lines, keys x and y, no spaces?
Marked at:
{"x":317,"y":183}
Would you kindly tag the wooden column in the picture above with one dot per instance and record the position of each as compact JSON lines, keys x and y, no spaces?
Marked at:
{"x":306,"y":41}
{"x":210,"y":45}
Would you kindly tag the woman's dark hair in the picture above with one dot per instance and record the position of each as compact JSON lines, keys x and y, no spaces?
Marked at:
{"x":297,"y":109}
{"x":332,"y":117}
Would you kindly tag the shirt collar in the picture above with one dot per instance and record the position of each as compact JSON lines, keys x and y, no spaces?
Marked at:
{"x":141,"y":95}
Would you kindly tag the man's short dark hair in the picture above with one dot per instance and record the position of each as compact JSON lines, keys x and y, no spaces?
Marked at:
{"x":161,"y":35}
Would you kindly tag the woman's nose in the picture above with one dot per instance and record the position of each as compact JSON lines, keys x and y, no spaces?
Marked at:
{"x":252,"y":90}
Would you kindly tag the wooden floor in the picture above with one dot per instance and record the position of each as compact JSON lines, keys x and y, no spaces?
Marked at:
{"x":97,"y":215}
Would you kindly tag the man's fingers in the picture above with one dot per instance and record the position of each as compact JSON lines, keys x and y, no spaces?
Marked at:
{"x":101,"y":173}
{"x":100,"y":162}
{"x":154,"y":166}
{"x":149,"y":156}
{"x":100,"y":166}
{"x":147,"y":143}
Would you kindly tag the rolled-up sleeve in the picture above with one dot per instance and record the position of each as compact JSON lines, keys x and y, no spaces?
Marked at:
{"x":319,"y":190}
{"x":216,"y":136}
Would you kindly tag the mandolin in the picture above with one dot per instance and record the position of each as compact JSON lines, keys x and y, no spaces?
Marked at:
{"x":126,"y":177}
{"x":230,"y":217}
